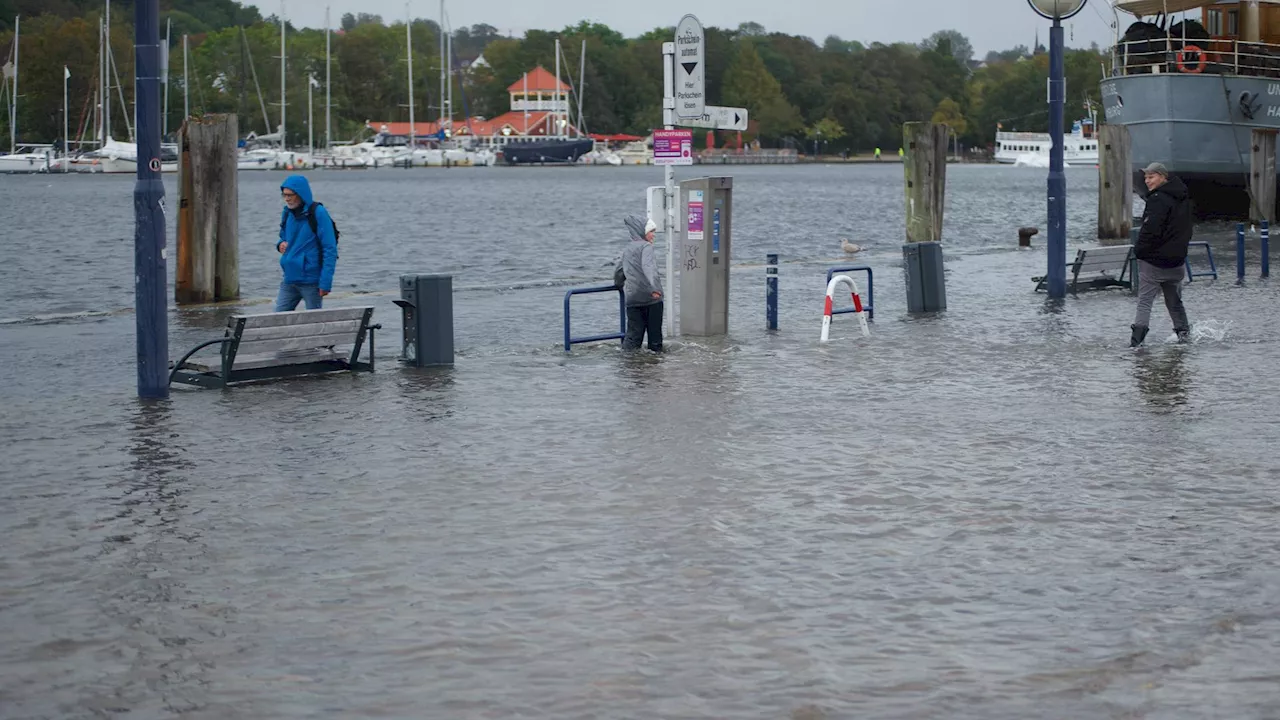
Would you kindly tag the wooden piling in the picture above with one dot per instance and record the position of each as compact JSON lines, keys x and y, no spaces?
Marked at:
{"x":208,"y":245}
{"x":1115,"y":183}
{"x":1262,"y":175}
{"x":925,"y":171}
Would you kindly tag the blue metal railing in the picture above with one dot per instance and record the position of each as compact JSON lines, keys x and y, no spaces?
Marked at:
{"x":569,"y":340}
{"x":1213,"y":268}
{"x":869,"y":305}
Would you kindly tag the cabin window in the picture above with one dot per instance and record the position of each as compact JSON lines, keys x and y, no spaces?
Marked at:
{"x":1214,"y":22}
{"x":1233,"y":22}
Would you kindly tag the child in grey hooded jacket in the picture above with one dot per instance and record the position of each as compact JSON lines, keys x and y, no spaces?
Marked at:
{"x":643,"y":288}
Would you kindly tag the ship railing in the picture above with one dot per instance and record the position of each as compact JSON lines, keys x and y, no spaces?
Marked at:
{"x":1218,"y":56}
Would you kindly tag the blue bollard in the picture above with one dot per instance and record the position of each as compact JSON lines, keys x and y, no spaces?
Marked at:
{"x":1239,"y":252}
{"x":771,"y":291}
{"x":1266,"y":249}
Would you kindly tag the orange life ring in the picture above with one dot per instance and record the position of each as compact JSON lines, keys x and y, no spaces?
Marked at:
{"x":1182,"y":66}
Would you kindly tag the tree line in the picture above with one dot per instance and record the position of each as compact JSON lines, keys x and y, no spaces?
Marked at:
{"x":847,"y":95}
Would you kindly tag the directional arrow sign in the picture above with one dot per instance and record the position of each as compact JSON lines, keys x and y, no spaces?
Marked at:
{"x":691,"y":68}
{"x":718,"y":118}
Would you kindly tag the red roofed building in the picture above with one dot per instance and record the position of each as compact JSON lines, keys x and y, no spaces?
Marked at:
{"x":539,"y":107}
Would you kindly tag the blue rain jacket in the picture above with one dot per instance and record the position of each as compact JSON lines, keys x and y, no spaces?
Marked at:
{"x":311,"y":257}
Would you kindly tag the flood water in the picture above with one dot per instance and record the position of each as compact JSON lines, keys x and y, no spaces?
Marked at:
{"x":999,"y":511}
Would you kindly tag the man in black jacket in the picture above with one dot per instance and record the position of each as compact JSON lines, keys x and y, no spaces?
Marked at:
{"x":1162,"y":251}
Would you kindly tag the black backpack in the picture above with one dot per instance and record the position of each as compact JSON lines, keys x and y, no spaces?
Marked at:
{"x":619,"y":277}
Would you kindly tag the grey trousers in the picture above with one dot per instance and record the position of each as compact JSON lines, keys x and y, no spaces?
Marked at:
{"x":1152,"y":281}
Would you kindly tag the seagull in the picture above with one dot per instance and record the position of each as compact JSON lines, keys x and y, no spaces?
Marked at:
{"x":849,"y":247}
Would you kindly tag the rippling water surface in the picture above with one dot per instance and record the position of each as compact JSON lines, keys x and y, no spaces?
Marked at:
{"x":995,"y":512}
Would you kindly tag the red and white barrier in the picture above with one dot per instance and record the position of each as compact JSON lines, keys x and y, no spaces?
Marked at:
{"x":857,"y":306}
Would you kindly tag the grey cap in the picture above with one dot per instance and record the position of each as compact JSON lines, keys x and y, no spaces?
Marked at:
{"x":1157,"y":168}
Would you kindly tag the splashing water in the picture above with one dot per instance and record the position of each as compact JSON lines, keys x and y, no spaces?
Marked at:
{"x":1206,"y":331}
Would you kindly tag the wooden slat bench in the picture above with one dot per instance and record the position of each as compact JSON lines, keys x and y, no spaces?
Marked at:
{"x":1097,"y":268}
{"x":286,"y":344}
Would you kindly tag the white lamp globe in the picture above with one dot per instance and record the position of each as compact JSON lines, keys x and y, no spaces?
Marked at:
{"x":1060,"y":9}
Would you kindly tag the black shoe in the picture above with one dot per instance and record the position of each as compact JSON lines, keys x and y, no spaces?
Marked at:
{"x":1183,"y":335}
{"x":1139,"y":334}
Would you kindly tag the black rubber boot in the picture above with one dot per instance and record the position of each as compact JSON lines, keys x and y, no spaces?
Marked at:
{"x":1139,"y":334}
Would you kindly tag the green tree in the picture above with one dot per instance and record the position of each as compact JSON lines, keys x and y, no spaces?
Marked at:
{"x":948,"y":113}
{"x":950,"y":42}
{"x":749,"y":84}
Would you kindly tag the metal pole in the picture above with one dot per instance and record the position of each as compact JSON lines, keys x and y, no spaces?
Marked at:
{"x":1266,"y":249}
{"x":771,"y":291}
{"x":148,"y":207}
{"x":328,"y":138}
{"x":1239,"y":252}
{"x":66,"y":122}
{"x":311,"y":81}
{"x":1057,"y":241}
{"x":669,"y":193}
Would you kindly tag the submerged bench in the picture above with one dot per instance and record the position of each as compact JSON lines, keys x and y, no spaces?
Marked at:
{"x":284,"y":344}
{"x":1096,"y":269}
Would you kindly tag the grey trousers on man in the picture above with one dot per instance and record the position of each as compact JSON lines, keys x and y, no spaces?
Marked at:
{"x":1153,"y":280}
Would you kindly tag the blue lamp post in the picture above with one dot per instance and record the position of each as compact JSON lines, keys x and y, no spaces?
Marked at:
{"x":1057,"y":11}
{"x":148,"y":208}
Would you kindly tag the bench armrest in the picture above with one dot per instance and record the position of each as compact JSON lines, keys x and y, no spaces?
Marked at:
{"x":178,"y":365}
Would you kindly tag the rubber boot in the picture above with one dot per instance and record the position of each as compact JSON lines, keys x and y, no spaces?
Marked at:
{"x":1139,"y":334}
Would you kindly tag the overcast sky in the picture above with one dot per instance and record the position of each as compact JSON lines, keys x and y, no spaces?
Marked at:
{"x":989,"y":24}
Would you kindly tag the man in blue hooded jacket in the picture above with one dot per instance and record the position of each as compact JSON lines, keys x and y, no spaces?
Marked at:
{"x":307,"y":257}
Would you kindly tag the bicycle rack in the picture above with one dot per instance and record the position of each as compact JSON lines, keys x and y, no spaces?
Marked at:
{"x":570,"y":341}
{"x":869,"y":305}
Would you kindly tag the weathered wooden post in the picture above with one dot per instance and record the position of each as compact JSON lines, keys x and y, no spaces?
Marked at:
{"x":1262,"y":175}
{"x":925,"y":175}
{"x":208,"y":211}
{"x":1115,"y":183}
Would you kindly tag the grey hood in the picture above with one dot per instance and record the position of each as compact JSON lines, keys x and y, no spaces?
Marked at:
{"x":635,"y":226}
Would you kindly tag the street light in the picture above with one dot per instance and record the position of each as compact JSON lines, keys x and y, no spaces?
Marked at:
{"x":1057,"y":11}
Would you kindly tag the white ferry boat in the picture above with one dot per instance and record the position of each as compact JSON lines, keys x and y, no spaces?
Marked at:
{"x":1080,"y":147}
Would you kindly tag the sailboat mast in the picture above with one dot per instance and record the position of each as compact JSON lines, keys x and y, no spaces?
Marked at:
{"x":100,"y":128}
{"x":283,"y":103}
{"x":440,"y":42}
{"x":408,"y":36}
{"x":555,"y":93}
{"x":448,"y":67}
{"x":186,"y":86}
{"x":582,"y":79}
{"x":328,"y":139}
{"x":13,"y":101}
{"x":168,"y":32}
{"x":106,"y":87}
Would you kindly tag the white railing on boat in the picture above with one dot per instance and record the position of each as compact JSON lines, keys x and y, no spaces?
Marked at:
{"x":1212,"y":57}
